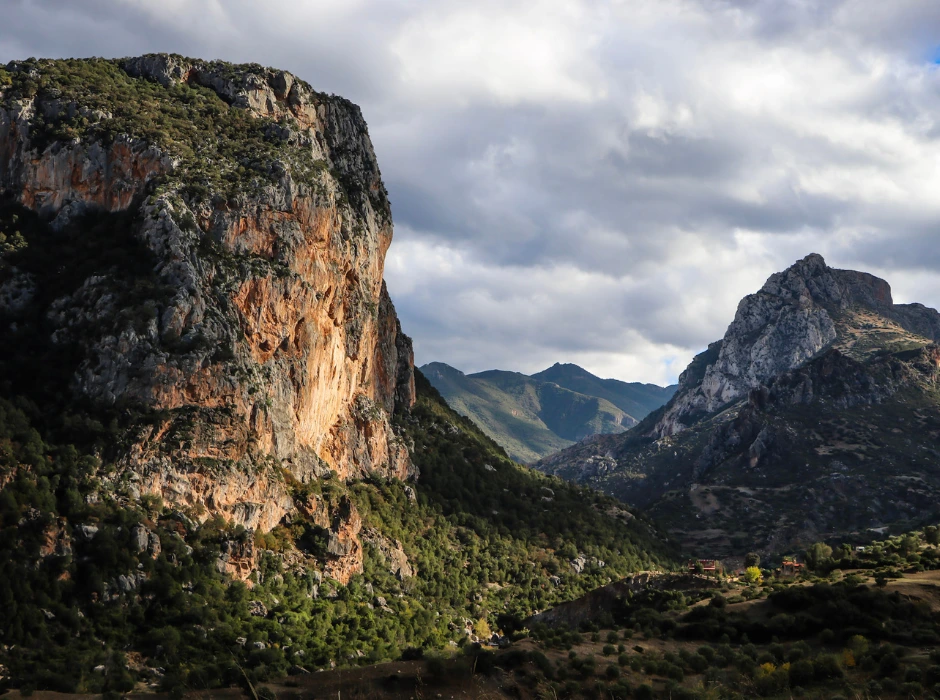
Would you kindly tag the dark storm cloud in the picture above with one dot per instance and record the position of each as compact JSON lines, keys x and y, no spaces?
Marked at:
{"x":589,"y":181}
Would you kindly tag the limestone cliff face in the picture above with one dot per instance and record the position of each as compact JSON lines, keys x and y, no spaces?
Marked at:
{"x":795,"y":315}
{"x":273,"y":346}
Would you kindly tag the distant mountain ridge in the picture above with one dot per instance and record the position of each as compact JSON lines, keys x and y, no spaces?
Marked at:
{"x":534,"y":416}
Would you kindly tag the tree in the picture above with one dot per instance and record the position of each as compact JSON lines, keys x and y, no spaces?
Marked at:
{"x":909,"y":544}
{"x":752,"y":574}
{"x":482,"y":629}
{"x":858,"y":645}
{"x":818,"y":555}
{"x":752,"y":559}
{"x":932,"y":534}
{"x":699,"y":569}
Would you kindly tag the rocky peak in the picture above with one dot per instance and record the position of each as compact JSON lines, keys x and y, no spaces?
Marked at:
{"x":257,"y":334}
{"x":810,"y":280}
{"x":795,"y":315}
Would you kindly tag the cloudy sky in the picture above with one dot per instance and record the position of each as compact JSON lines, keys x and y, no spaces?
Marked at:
{"x":594,"y":182}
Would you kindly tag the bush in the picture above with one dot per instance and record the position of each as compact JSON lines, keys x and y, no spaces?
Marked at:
{"x":707,"y":653}
{"x":827,"y":666}
{"x":888,"y":665}
{"x":802,"y":672}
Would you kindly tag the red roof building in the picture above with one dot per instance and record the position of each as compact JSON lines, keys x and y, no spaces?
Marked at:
{"x":791,"y":568}
{"x":707,"y":565}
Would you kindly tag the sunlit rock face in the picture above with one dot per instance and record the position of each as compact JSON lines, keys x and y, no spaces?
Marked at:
{"x":794,"y":316}
{"x":265,"y":348}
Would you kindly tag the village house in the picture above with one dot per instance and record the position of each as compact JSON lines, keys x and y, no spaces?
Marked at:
{"x":709,"y":566}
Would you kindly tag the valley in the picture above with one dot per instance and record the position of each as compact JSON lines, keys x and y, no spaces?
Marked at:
{"x":534,"y":416}
{"x":221,"y":473}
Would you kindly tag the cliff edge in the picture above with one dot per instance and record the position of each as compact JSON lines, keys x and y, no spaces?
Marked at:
{"x":248,"y":340}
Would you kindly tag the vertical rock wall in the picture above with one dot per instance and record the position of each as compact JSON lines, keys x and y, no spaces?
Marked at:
{"x":277,"y":354}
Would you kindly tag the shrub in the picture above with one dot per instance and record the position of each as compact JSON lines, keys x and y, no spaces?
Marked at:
{"x":802,"y":672}
{"x":827,"y":666}
{"x":753,"y":575}
{"x":888,"y":665}
{"x":707,"y":653}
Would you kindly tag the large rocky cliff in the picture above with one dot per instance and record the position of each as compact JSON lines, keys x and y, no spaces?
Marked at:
{"x":256,"y":343}
{"x":203,"y":378}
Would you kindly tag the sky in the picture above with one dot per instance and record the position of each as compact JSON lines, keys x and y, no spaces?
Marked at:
{"x":594,"y":182}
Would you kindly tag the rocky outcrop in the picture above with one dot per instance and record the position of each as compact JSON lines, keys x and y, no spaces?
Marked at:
{"x":814,"y":417}
{"x":238,"y":559}
{"x":266,"y":347}
{"x":391,"y":553}
{"x":794,"y":316}
{"x":66,"y":178}
{"x":344,"y":546}
{"x":56,"y":540}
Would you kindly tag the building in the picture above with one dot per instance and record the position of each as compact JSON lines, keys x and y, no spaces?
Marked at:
{"x":708,"y":565}
{"x":791,"y":568}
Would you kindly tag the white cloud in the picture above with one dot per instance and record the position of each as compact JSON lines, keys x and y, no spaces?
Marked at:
{"x":595,"y":182}
{"x":509,"y":52}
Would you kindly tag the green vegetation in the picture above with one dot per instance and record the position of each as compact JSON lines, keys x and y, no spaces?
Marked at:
{"x":221,"y":149}
{"x":706,"y":652}
{"x":81,"y":594}
{"x":813,"y":641}
{"x":910,"y":552}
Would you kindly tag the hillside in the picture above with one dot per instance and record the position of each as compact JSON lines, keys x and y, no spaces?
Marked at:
{"x":815,"y":417}
{"x":532,"y":417}
{"x":217,"y":462}
{"x":635,"y":398}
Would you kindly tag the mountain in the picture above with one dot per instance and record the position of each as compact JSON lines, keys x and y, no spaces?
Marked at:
{"x":534,"y":416}
{"x":815,"y":417}
{"x":634,"y":398}
{"x":217,"y":462}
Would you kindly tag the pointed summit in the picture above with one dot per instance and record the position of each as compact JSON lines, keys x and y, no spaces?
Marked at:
{"x":820,"y":396}
{"x":796,"y":314}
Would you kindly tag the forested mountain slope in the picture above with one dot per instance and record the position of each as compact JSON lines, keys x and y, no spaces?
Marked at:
{"x":216,"y":459}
